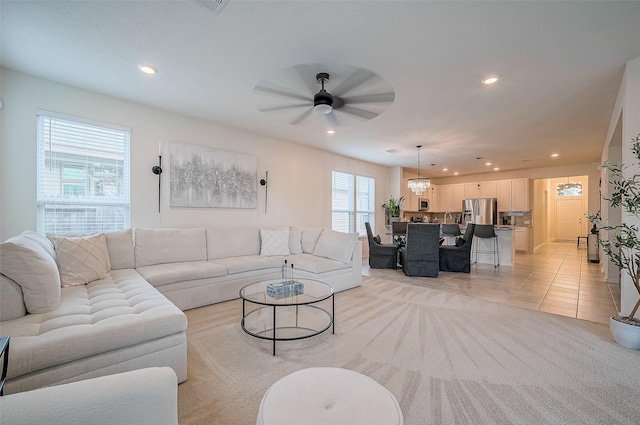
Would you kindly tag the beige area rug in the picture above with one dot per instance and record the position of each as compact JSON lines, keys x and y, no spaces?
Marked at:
{"x":447,"y":358}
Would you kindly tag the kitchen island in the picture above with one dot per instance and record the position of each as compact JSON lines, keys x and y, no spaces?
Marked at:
{"x":506,"y":249}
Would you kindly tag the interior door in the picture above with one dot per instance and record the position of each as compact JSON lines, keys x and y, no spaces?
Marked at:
{"x":569,"y":218}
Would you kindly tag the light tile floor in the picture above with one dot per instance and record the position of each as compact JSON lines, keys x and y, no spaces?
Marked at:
{"x":557,"y":279}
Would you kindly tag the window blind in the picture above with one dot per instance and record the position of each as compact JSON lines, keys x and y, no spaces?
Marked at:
{"x":353,"y":202}
{"x":83,"y":175}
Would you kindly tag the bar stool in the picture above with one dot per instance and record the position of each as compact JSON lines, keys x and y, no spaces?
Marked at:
{"x":487,"y":231}
{"x":449,"y":230}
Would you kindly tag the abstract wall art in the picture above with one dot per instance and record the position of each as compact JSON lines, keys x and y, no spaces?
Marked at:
{"x":202,"y":177}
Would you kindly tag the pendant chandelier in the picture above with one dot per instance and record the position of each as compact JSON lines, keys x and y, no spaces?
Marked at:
{"x":420,"y":184}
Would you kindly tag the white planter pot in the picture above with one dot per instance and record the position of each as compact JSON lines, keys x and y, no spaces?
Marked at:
{"x":625,"y":335}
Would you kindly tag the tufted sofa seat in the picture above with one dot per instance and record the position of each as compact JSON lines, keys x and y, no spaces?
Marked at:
{"x":105,"y":326}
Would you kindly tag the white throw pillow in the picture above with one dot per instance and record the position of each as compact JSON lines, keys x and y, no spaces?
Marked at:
{"x":336,"y":245}
{"x":30,"y":266}
{"x":295,"y":241}
{"x":120,"y":248}
{"x":310,"y":239}
{"x":274,"y":242}
{"x":82,"y":259}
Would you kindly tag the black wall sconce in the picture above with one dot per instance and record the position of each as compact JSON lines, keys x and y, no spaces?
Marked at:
{"x":157,"y":170}
{"x":263,"y":182}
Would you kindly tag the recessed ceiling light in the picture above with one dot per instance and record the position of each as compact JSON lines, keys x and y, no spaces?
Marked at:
{"x":455,"y":174}
{"x":487,"y":164}
{"x":496,"y":169}
{"x":445,"y":169}
{"x":553,"y":155}
{"x":331,"y":131}
{"x":490,"y":80}
{"x":148,"y":69}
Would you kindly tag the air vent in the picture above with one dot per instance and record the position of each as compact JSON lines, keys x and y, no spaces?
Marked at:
{"x":213,"y":5}
{"x":393,"y":151}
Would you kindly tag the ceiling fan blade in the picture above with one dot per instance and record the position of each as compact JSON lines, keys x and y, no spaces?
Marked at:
{"x":279,"y":108}
{"x":358,"y":77}
{"x":307,"y":76}
{"x":332,"y":120}
{"x":370,"y":98}
{"x":282,"y":93}
{"x":302,"y":117}
{"x":351,"y":110}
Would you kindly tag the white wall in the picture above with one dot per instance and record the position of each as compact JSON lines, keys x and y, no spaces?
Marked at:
{"x":630,"y":128}
{"x":299,"y":177}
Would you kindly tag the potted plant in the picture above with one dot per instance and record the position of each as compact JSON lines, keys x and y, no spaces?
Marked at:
{"x":392,"y":208}
{"x":622,"y":245}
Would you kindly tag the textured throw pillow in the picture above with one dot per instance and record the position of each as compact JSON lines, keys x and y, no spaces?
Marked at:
{"x":295,"y":241}
{"x":336,"y":245}
{"x":81,"y":259}
{"x":30,"y":266}
{"x":274,"y":242}
{"x":377,"y":239}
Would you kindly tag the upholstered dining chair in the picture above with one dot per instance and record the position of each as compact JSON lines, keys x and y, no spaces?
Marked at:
{"x":457,"y":258}
{"x":419,"y":257}
{"x":381,"y":256}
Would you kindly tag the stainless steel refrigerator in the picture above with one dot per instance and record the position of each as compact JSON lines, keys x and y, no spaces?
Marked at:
{"x":481,"y":210}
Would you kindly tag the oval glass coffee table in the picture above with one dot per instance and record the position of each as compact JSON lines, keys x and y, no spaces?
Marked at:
{"x":287,"y":316}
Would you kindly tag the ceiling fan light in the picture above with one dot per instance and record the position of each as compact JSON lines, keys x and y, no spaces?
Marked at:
{"x":323,"y":108}
{"x":322,"y":102}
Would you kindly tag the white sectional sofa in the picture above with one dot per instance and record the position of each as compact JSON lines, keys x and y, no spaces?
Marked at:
{"x":138,"y":397}
{"x":86,"y":306}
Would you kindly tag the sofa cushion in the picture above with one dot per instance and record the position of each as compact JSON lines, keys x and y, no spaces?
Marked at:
{"x":103,"y":316}
{"x":30,"y":266}
{"x":314,"y":264}
{"x":295,"y":241}
{"x":225,"y":242}
{"x":274,"y":242}
{"x":81,"y":259}
{"x":120,"y":248}
{"x":11,"y":299}
{"x":310,"y":239}
{"x":42,"y":240}
{"x":336,"y":245}
{"x":249,"y":263}
{"x":160,"y":246}
{"x":165,"y":274}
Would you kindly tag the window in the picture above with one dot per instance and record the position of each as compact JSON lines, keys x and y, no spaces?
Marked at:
{"x":569,"y":189}
{"x":83,"y":175}
{"x":353,"y":202}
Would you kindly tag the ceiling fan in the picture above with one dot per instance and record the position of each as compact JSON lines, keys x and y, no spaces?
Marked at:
{"x":358,"y":93}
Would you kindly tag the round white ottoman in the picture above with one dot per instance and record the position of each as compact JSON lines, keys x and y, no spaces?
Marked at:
{"x":328,"y":395}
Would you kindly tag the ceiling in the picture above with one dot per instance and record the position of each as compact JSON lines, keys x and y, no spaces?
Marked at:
{"x":560,"y":66}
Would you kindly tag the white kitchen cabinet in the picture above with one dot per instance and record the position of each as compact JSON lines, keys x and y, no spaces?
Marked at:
{"x":434,"y":198}
{"x":520,"y":239}
{"x":519,"y":195}
{"x":503,"y":193}
{"x":457,"y":196}
{"x":410,"y":198}
{"x":445,"y":197}
{"x":488,"y":189}
{"x":471,"y":190}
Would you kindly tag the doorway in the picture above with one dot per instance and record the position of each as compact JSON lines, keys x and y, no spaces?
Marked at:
{"x":569,"y":215}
